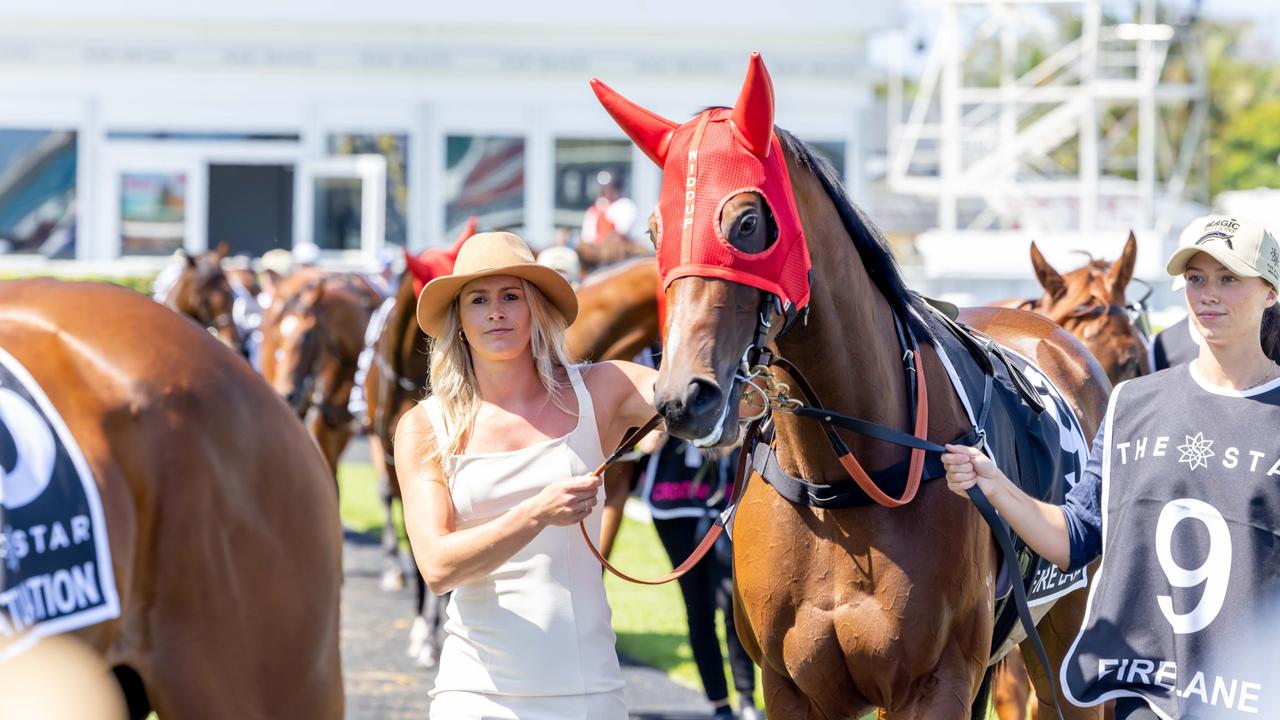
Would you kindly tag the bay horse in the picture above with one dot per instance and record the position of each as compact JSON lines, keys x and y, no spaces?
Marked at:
{"x":617,"y":318}
{"x":223,"y":526}
{"x":203,"y":293}
{"x":845,"y":610}
{"x":1090,"y":303}
{"x":316,"y":336}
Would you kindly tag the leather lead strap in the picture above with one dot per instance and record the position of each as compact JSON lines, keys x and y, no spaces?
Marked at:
{"x":741,"y":476}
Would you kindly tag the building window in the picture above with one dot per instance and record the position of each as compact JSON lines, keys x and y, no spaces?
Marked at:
{"x":38,"y":192}
{"x":580,"y":166}
{"x":395,"y":148}
{"x":484,"y":177}
{"x":153,"y":213}
{"x":338,"y":215}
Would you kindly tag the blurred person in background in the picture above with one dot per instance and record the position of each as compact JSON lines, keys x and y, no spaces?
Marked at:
{"x":607,"y":225}
{"x":563,"y":260}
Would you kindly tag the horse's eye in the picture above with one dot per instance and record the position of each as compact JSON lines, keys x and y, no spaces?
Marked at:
{"x":748,"y":224}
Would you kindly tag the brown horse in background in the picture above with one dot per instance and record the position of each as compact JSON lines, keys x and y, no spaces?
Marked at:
{"x":223,"y":524}
{"x":845,"y":610}
{"x":1090,"y":303}
{"x":616,"y":249}
{"x":617,"y":318}
{"x":203,"y":293}
{"x":316,"y":338}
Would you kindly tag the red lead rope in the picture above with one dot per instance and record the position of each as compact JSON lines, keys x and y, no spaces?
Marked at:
{"x":916,"y":467}
{"x":713,"y":533}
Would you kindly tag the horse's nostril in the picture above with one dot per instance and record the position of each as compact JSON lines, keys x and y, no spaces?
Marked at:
{"x":703,"y":397}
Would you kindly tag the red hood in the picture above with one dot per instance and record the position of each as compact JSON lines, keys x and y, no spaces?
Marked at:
{"x":707,"y":160}
{"x":435,"y":262}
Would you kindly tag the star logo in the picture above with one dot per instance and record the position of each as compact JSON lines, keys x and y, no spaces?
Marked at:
{"x":1196,"y":452}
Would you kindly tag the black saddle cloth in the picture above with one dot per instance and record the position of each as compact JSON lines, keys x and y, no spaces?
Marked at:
{"x":1031,"y":434}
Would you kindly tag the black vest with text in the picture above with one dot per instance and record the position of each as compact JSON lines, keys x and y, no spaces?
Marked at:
{"x":1185,"y":610}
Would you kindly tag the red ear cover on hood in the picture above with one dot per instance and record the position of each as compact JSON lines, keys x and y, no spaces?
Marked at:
{"x":753,"y":113}
{"x":435,"y":262}
{"x":648,"y":130}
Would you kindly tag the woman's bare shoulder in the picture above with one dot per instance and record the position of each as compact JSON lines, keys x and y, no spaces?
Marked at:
{"x":414,"y":430}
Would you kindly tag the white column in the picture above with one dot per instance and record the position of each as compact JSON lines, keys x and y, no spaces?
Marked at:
{"x":950,"y":98}
{"x":92,"y":236}
{"x":539,"y":181}
{"x":421,"y":154}
{"x":1089,"y":160}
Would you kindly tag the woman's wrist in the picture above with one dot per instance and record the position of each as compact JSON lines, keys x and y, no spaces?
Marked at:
{"x":527,"y":515}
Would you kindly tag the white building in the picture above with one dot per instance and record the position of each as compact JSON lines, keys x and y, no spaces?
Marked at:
{"x":131,"y":128}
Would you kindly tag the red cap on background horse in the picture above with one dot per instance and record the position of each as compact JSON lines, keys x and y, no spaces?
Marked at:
{"x":741,"y":153}
{"x":436,"y":262}
{"x":484,"y":255}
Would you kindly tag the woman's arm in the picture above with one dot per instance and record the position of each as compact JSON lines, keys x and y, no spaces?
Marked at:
{"x":448,"y":557}
{"x":627,"y":390}
{"x":1041,"y":525}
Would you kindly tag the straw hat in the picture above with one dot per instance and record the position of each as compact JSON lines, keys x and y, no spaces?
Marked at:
{"x":1242,"y":245}
{"x":484,"y":255}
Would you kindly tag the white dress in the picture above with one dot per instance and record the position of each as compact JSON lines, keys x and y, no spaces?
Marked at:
{"x":532,"y":639}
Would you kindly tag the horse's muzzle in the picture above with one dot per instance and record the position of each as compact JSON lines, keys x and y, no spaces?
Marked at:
{"x":697,"y":412}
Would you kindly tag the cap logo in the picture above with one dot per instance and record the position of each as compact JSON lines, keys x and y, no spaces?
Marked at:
{"x":1224,"y":230}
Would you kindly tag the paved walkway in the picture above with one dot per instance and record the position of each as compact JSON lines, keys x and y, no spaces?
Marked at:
{"x":382,"y":683}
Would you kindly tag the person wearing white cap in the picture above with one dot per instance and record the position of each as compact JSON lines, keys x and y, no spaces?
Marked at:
{"x":563,"y":260}
{"x":305,"y":254}
{"x":1181,"y":499}
{"x":496,"y":470}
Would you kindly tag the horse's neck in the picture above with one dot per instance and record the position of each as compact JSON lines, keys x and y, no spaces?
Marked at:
{"x":850,"y":353}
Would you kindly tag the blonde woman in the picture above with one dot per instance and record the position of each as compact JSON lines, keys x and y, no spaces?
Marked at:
{"x":495,"y":470}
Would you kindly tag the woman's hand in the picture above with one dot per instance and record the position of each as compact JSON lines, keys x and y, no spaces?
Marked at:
{"x":566,"y":502}
{"x":967,"y":466}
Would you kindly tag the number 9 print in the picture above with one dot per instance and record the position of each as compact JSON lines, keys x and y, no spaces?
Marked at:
{"x":1214,"y":572}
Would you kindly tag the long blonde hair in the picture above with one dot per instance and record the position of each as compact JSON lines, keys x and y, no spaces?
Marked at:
{"x":453,"y":379}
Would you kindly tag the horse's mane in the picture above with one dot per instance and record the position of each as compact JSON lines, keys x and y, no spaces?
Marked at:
{"x":870,"y":243}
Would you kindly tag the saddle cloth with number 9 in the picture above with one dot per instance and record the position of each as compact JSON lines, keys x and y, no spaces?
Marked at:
{"x":1184,"y":610}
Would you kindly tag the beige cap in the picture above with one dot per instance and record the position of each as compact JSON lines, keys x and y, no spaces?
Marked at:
{"x":493,"y":253}
{"x":1241,"y":244}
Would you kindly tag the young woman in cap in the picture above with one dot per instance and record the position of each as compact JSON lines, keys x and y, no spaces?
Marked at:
{"x":495,"y":470}
{"x":1180,"y":498}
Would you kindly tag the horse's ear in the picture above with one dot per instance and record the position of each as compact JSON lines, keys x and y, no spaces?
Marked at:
{"x":1050,"y":279}
{"x":1121,"y":271}
{"x":220,"y":252}
{"x":648,"y":130}
{"x":473,"y":224}
{"x":191,"y":262}
{"x":753,"y":113}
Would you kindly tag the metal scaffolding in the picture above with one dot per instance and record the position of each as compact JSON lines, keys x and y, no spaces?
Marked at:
{"x":1057,"y":115}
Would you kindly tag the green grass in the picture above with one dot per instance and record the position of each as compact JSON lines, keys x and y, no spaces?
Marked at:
{"x":359,"y":505}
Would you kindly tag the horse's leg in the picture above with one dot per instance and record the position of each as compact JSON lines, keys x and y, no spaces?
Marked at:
{"x":393,"y":575}
{"x":1057,"y":631}
{"x":782,"y":699}
{"x":1012,"y":688}
{"x":949,"y":691}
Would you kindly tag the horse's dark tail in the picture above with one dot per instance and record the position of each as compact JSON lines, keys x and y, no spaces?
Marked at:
{"x":978,"y":711}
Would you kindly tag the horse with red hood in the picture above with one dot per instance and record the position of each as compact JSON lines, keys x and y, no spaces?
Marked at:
{"x":878,"y":589}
